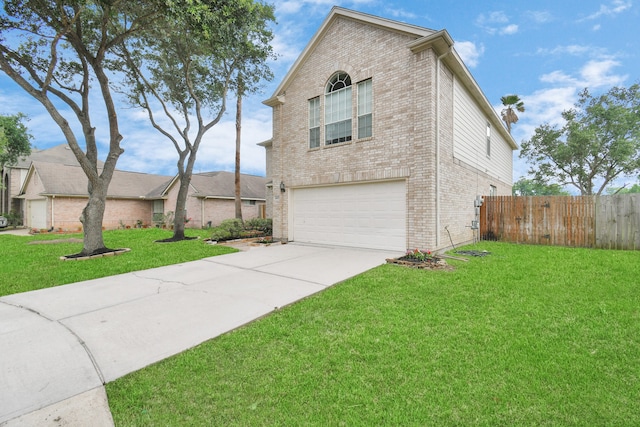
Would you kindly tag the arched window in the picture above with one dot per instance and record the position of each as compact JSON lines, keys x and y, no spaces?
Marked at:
{"x":337,"y":109}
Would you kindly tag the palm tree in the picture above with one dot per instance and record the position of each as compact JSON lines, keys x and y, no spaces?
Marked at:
{"x":509,"y":116}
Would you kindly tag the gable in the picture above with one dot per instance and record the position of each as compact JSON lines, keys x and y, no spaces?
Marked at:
{"x":370,"y":32}
{"x":388,"y":46}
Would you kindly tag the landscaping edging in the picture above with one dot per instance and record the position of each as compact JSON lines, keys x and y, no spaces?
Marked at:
{"x":106,"y":254}
{"x":427,"y":264}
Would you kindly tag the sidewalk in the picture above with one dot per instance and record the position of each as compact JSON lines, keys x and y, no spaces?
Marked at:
{"x":60,"y":345}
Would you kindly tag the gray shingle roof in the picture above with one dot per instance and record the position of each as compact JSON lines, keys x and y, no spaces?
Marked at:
{"x":222,"y":185}
{"x":62,"y":179}
{"x":59,"y":154}
{"x":70,"y":180}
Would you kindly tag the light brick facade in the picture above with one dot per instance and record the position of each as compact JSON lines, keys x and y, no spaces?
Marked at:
{"x":53,"y":195}
{"x":414,"y":115}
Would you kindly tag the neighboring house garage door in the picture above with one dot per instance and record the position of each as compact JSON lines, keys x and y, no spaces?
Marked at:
{"x":369,"y":215}
{"x":38,"y":213}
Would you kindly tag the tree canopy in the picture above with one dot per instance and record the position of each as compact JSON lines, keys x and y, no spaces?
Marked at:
{"x":529,"y":187}
{"x":14,"y":139}
{"x":635,"y":188}
{"x":58,"y":52}
{"x":512,"y":103}
{"x":184,"y":69}
{"x":599,"y":142}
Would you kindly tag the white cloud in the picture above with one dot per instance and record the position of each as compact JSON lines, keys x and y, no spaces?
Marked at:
{"x":469,"y":52}
{"x":496,"y":22}
{"x":558,"y":77}
{"x":401,"y":13}
{"x":292,"y":7}
{"x":614,"y":8}
{"x":497,"y":17}
{"x":562,"y":50}
{"x":539,"y":16}
{"x":509,"y":29}
{"x":599,"y":73}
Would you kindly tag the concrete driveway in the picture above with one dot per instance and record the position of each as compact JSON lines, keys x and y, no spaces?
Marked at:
{"x":61,"y":345}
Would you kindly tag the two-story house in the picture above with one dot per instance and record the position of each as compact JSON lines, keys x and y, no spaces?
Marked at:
{"x":382,"y":139}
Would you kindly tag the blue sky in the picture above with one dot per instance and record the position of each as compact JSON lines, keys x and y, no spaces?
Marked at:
{"x":545,"y":51}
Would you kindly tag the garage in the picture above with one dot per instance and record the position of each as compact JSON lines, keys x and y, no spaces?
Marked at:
{"x":37,"y":211}
{"x":371,"y":215}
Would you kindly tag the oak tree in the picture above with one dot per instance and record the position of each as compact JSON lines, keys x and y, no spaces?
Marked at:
{"x":183,"y":71}
{"x":599,"y":142}
{"x":58,"y":52}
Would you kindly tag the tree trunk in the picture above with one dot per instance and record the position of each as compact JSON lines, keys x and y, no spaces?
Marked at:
{"x":184,"y":176}
{"x":238,"y":139}
{"x":181,"y":204}
{"x":92,"y":216}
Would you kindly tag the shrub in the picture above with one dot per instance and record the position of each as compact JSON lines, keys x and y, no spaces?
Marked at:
{"x":228,"y":229}
{"x":14,"y":218}
{"x":264,"y":225}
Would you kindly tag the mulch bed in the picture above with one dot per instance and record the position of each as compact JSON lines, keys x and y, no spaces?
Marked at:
{"x":102,"y":254}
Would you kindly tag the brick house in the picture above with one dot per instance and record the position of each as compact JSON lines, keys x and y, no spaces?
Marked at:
{"x":52,"y":191}
{"x":211,"y":197}
{"x":382,"y":139}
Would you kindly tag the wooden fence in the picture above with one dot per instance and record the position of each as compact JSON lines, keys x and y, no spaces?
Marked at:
{"x":611,"y":222}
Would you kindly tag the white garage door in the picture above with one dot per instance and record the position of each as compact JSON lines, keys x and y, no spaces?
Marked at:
{"x":38,"y":213}
{"x":360,"y":215}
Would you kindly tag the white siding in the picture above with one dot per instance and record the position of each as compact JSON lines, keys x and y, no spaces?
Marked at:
{"x":469,"y":138}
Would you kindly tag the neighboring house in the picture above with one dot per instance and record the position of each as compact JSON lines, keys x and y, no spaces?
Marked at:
{"x":53,"y":192}
{"x":14,"y":176}
{"x":382,"y":139}
{"x":212,"y":197}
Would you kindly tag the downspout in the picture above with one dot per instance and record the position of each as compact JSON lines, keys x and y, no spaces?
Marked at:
{"x":202,"y":202}
{"x":53,"y":222}
{"x":438,"y":61}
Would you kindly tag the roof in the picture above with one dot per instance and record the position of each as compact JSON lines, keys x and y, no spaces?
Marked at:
{"x":424,"y":38}
{"x":61,"y":154}
{"x":221,"y":185}
{"x":68,"y":180}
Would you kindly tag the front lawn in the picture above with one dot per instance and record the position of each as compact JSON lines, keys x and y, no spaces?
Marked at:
{"x":530,"y":335}
{"x":28,"y":263}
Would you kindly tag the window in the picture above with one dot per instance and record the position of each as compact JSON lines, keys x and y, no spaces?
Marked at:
{"x":493,"y":190}
{"x":158,"y":210}
{"x":314,"y":122}
{"x":249,"y":202}
{"x":365,"y":103}
{"x":488,"y":139}
{"x":337,"y":109}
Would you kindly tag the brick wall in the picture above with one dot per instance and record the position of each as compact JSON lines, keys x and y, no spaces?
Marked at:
{"x":403,"y":144}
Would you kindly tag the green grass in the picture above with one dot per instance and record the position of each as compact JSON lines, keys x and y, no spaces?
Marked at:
{"x":530,"y":335}
{"x":27,"y":266}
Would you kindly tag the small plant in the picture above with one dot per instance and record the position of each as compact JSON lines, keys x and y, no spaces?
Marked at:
{"x":139,"y":223}
{"x":167,"y":219}
{"x":419,"y":255}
